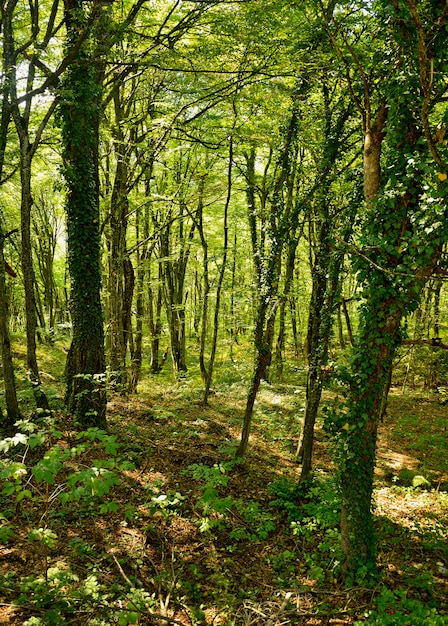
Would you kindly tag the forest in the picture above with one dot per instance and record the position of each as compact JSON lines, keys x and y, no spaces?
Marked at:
{"x":223,"y":312}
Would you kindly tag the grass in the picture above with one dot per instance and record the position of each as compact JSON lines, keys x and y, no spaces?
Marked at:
{"x":187,"y":535}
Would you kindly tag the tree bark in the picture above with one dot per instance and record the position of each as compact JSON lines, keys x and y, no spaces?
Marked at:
{"x":80,"y":110}
{"x":222,"y":269}
{"x":29,"y":280}
{"x":366,"y":404}
{"x":378,"y":338}
{"x":173,"y":272}
{"x":12,"y":405}
{"x":119,"y":280}
{"x":325,"y":272}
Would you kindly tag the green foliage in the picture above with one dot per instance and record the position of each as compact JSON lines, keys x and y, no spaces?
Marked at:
{"x":397,"y":240}
{"x":317,"y":499}
{"x":430,"y":366}
{"x":51,"y":464}
{"x":244,"y":520}
{"x":47,"y":476}
{"x":168,"y":504}
{"x":289,"y":496}
{"x":395,"y":609}
{"x":313,"y":510}
{"x":61,"y":594}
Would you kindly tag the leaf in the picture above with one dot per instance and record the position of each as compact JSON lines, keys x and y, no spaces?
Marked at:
{"x":345,"y":427}
{"x":442,"y":176}
{"x":26,"y":493}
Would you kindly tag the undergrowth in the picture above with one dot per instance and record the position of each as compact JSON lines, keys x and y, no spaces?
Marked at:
{"x":137,"y":525}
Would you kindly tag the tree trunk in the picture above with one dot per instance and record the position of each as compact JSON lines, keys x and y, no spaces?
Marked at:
{"x":118,"y":284}
{"x":319,"y":325}
{"x":173,"y":272}
{"x":80,"y":110}
{"x":261,"y":364}
{"x":214,"y":342}
{"x":45,"y":234}
{"x":393,"y":282}
{"x":136,"y":360}
{"x":27,"y":150}
{"x":29,"y":280}
{"x":205,"y":287}
{"x":348,"y":322}
{"x":437,"y":290}
{"x":378,"y":338}
{"x":366,"y":403}
{"x":295,"y":321}
{"x":276,"y":230}
{"x":340,"y":329}
{"x":155,"y":322}
{"x":325,"y":272}
{"x":12,"y":406}
{"x":289,"y":275}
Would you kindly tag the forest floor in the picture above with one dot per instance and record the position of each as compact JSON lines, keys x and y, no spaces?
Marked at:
{"x":189,"y":536}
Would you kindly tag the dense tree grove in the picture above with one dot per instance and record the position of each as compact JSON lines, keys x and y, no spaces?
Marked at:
{"x":186,"y":182}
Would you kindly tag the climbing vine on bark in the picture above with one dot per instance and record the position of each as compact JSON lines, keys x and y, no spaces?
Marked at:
{"x":403,"y":231}
{"x":79,"y":115}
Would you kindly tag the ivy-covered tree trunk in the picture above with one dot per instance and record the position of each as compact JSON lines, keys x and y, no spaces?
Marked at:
{"x":263,"y":337}
{"x":319,"y":326}
{"x":12,"y":405}
{"x":80,"y":108}
{"x":290,"y":263}
{"x":376,"y":343}
{"x":325,"y":269}
{"x":402,"y":238}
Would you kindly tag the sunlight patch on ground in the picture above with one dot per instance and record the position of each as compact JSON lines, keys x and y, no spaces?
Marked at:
{"x":416,"y":510}
{"x":395,"y":461}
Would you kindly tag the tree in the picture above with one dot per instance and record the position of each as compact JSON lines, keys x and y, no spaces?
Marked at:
{"x":80,"y":111}
{"x":175,"y":241}
{"x":207,"y":368}
{"x":331,"y":219}
{"x":12,"y":406}
{"x":119,"y":279}
{"x":47,"y":229}
{"x":28,"y":147}
{"x":403,"y":230}
{"x":279,"y":223}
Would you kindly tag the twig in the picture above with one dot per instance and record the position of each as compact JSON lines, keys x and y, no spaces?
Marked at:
{"x":355,"y":250}
{"x":281,"y":609}
{"x":170,"y":620}
{"x":9,"y":233}
{"x":122,"y":572}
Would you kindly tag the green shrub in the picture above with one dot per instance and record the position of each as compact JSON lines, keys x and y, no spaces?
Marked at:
{"x":395,"y":609}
